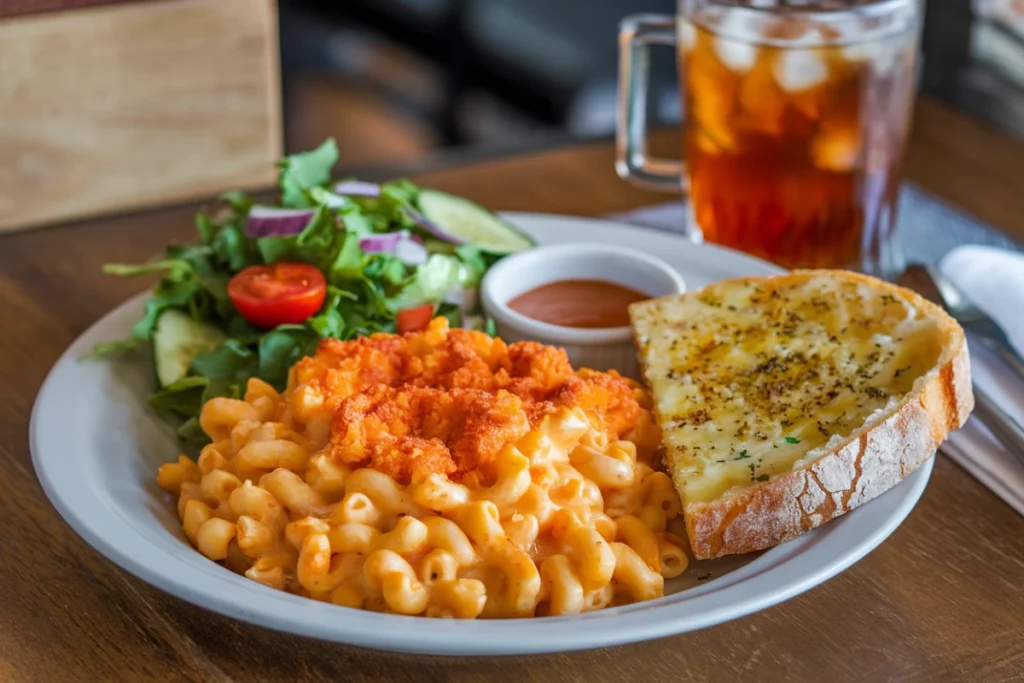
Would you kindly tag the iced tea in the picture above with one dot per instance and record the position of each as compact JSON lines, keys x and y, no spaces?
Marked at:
{"x":794,"y":131}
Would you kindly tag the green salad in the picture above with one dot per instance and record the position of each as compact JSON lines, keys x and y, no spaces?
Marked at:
{"x":262,"y":285}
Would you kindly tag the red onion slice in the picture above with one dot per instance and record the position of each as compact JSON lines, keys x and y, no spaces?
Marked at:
{"x":433,"y":228}
{"x":357,"y":188}
{"x":411,"y":253}
{"x":270,"y":221}
{"x":381,"y":244}
{"x":400,"y":244}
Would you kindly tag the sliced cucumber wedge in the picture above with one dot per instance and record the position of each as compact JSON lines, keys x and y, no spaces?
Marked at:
{"x":460,"y":220}
{"x":177,"y":340}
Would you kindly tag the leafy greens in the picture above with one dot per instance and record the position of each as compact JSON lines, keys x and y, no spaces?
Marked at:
{"x":364,"y":291}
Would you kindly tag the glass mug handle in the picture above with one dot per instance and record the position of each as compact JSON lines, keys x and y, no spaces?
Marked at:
{"x":636,"y":35}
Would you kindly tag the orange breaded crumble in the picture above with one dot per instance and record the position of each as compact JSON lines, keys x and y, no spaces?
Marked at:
{"x":447,"y":401}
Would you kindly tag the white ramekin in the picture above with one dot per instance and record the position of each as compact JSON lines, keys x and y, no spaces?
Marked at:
{"x":600,"y":349}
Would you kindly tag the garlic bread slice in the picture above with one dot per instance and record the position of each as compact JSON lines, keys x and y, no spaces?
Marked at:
{"x":786,"y":401}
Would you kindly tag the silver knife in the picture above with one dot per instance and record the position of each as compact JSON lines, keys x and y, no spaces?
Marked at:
{"x":1000,"y":423}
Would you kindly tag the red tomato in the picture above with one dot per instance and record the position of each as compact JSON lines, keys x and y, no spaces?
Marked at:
{"x":278,"y":294}
{"x":414,"y":319}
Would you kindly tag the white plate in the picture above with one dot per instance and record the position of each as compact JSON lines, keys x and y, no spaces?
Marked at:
{"x":96,"y":448}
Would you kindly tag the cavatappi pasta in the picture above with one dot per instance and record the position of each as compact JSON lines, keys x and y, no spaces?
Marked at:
{"x":564,"y":519}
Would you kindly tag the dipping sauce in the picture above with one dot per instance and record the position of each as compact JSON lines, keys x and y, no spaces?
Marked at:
{"x":578,"y":303}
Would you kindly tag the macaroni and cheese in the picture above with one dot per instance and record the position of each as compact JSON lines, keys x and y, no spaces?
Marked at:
{"x":441,"y":473}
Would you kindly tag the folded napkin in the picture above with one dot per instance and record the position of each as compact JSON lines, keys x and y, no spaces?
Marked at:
{"x":994,"y":280}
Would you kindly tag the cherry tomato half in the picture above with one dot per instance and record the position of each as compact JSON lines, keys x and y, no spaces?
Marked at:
{"x":278,"y":294}
{"x":414,"y":319}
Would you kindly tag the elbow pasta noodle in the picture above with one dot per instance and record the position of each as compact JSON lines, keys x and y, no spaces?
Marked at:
{"x":672,"y":557}
{"x":566,"y":519}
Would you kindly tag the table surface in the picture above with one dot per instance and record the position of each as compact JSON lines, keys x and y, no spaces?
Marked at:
{"x":942,"y":599}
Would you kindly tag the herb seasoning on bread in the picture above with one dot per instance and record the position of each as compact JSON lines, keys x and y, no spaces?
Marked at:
{"x":787,"y":401}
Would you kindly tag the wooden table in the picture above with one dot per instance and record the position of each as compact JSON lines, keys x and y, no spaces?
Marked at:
{"x":942,"y":599}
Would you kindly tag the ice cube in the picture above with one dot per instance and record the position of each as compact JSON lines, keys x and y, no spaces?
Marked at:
{"x":712,"y":95}
{"x":812,"y":36}
{"x":797,"y":31}
{"x":734,"y":43}
{"x":713,"y":128}
{"x":852,"y":30}
{"x":737,"y":56}
{"x":796,"y":70}
{"x":707,"y":145}
{"x":883,"y":55}
{"x":837,"y":150}
{"x":763,"y":103}
{"x":687,"y":35}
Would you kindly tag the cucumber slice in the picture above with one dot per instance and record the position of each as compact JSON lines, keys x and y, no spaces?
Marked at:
{"x":177,"y":340}
{"x":461,"y":220}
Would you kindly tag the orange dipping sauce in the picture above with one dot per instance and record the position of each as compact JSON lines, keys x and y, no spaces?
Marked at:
{"x":578,"y":303}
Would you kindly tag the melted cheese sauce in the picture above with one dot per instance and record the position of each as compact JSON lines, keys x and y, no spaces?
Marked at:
{"x":750,"y":380}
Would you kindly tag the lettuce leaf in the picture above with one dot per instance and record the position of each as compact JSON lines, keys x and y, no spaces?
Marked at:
{"x":232,"y":361}
{"x":365,"y":291}
{"x":281,"y":348}
{"x":184,"y":397}
{"x":301,"y":172}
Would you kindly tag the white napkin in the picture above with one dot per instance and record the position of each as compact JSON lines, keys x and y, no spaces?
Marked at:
{"x":994,"y":280}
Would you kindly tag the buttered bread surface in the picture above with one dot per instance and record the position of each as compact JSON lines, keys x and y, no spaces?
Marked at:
{"x":755,"y":378}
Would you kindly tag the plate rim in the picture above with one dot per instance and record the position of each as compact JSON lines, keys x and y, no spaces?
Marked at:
{"x":493,"y":637}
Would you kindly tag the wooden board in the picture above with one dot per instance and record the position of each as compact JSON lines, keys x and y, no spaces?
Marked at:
{"x":11,"y":8}
{"x":125,"y":106}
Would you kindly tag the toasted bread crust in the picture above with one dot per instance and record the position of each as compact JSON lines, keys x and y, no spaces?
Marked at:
{"x":862,"y":467}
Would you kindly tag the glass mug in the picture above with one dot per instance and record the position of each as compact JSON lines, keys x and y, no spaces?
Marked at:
{"x":795,"y":116}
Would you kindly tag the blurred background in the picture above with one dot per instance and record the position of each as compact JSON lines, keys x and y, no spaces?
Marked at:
{"x":151,"y":102}
{"x":400,"y":80}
